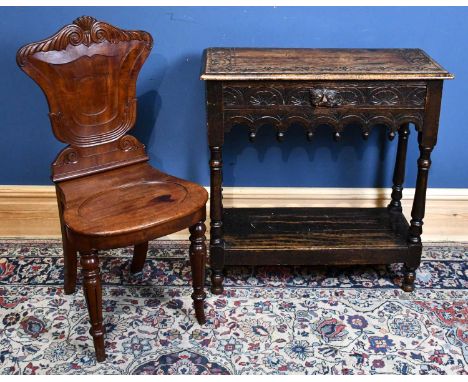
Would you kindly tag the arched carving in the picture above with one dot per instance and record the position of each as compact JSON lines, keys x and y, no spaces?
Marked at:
{"x":336,"y":120}
{"x":417,"y":96}
{"x":385,"y":96}
{"x":298,"y":97}
{"x":232,"y":97}
{"x":266,"y":97}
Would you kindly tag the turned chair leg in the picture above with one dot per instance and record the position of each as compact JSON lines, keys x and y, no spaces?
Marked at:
{"x":198,"y":264}
{"x":93,"y":294}
{"x":70,"y":267}
{"x":139,"y":257}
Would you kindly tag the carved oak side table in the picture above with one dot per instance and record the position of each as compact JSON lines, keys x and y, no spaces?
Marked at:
{"x":312,"y":87}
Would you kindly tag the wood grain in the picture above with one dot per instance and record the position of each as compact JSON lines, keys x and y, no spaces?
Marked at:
{"x":293,"y":229}
{"x":108,"y":195}
{"x":313,"y":87}
{"x":318,"y":64}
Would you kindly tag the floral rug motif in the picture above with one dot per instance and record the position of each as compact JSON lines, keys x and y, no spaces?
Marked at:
{"x":270,"y":320}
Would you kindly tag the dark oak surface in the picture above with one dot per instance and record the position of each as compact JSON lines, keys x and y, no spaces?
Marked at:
{"x":108,"y":195}
{"x":318,"y":64}
{"x":318,"y":236}
{"x":275,"y":88}
{"x":297,"y":229}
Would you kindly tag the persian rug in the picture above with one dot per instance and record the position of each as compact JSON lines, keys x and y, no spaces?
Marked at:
{"x":270,"y":320}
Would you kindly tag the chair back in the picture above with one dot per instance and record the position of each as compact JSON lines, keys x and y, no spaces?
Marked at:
{"x":88,"y":72}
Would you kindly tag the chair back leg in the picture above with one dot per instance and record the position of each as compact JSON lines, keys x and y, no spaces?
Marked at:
{"x":70,"y":267}
{"x":139,"y":257}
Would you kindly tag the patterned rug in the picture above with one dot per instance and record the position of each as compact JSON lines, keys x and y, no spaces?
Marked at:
{"x":271,"y":320}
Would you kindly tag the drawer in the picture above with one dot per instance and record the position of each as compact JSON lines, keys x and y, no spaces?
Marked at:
{"x":301,"y":94}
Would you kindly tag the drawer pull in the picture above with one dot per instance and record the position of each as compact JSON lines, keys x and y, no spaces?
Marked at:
{"x":325,"y":97}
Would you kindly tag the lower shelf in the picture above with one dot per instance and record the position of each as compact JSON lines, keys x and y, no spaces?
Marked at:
{"x":303,"y":236}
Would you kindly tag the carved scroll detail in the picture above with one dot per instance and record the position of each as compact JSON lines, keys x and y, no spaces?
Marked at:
{"x":129,"y":143}
{"x":73,"y":162}
{"x":69,"y":155}
{"x":84,"y":30}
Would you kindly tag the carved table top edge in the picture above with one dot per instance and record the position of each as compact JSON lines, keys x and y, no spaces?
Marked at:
{"x":230,"y":64}
{"x":326,"y":77}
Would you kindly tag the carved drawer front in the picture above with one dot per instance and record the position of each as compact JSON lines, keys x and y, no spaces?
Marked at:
{"x":311,"y":104}
{"x":389,"y":94}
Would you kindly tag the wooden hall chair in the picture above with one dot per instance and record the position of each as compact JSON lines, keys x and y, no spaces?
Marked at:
{"x":108,"y":194}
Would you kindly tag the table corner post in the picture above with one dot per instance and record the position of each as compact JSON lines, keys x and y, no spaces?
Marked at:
{"x":427,"y":139}
{"x":215,"y":127}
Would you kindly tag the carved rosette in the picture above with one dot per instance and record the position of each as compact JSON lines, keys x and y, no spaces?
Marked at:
{"x":84,"y":30}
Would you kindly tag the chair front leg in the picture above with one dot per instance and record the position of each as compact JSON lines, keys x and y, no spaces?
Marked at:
{"x":93,"y":294}
{"x":139,"y":257}
{"x":198,"y":264}
{"x":70,"y":266}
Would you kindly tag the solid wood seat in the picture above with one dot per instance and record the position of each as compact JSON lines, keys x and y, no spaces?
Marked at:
{"x":107,"y":193}
{"x":136,"y":199}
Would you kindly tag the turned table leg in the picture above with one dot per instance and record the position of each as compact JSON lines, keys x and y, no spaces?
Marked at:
{"x":419,"y":202}
{"x":417,"y":216}
{"x":427,"y":138}
{"x":399,"y":171}
{"x":93,"y":294}
{"x":216,"y":215}
{"x":198,"y":263}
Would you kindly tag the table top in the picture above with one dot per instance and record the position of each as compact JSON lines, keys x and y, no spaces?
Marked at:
{"x":319,"y":64}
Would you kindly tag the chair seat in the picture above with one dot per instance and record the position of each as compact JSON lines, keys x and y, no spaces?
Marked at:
{"x":130,"y":199}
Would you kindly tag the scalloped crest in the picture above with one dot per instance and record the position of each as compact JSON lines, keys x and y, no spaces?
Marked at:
{"x":85,"y":30}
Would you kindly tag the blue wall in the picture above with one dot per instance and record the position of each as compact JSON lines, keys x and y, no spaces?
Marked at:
{"x":171,"y":111}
